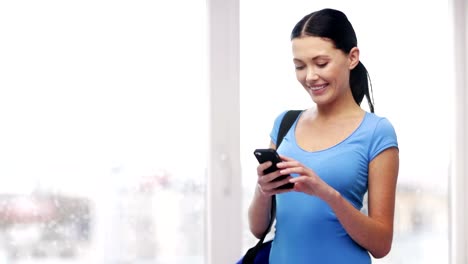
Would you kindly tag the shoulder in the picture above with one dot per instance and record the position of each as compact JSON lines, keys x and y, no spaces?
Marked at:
{"x":380,"y":125}
{"x":276,"y":126}
{"x":280,"y":116}
{"x":383,"y":135}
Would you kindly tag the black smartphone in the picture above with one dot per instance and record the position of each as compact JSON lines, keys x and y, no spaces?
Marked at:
{"x":264,"y":155}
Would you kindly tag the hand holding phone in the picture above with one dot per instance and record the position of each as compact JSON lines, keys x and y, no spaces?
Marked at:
{"x":264,"y":155}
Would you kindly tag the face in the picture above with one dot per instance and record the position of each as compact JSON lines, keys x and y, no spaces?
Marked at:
{"x":322,"y":69}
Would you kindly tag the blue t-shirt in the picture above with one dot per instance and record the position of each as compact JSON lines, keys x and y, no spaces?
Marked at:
{"x":307,"y":229}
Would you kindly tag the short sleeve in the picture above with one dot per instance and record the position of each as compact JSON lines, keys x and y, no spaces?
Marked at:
{"x":384,"y":137}
{"x":276,"y":126}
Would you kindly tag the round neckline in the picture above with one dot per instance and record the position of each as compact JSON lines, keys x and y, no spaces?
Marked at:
{"x":366,"y":114}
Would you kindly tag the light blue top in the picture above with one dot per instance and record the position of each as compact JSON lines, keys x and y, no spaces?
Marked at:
{"x":307,"y":230}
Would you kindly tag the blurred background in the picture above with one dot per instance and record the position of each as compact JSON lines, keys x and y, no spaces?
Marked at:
{"x":104,"y":122}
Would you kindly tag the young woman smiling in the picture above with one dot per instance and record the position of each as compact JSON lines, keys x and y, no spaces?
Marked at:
{"x":335,"y":152}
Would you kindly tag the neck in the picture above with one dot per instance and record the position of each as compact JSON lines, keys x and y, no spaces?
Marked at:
{"x":343,"y":108}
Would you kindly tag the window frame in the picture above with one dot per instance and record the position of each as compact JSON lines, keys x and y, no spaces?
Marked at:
{"x":458,"y":246}
{"x":224,"y":192}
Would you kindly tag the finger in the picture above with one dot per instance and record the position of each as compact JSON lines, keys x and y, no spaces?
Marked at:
{"x":267,"y":178}
{"x":262,"y":167}
{"x":286,"y":164}
{"x":298,"y":179}
{"x":265,"y":189}
{"x":277,"y":191}
{"x":298,"y":170}
{"x":300,"y":184}
{"x":278,"y":183}
{"x":260,"y":188}
{"x":266,"y":184}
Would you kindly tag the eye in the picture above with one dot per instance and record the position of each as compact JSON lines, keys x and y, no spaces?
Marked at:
{"x":322,"y":65}
{"x":299,"y":67}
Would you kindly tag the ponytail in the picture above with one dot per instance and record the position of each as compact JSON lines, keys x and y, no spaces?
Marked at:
{"x":360,"y":82}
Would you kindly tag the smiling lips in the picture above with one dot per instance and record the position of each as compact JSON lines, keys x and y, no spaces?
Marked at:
{"x":317,"y":89}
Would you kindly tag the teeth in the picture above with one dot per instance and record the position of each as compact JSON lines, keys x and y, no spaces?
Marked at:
{"x":317,"y":87}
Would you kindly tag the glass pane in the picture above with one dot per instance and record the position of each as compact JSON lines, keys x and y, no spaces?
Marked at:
{"x":97,"y":100}
{"x":393,"y":48}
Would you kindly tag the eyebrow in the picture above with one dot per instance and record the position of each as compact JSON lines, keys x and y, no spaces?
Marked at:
{"x":314,"y":58}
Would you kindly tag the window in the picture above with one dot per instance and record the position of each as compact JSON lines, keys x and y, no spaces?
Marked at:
{"x":98,"y":100}
{"x":90,"y":171}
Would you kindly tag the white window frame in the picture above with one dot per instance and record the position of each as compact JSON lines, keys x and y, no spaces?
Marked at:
{"x":224,"y":192}
{"x":459,"y":170}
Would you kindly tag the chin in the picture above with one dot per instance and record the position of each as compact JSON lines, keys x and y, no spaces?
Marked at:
{"x":320,"y":101}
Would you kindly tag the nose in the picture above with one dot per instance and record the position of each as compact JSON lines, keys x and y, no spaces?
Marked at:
{"x":311,"y":75}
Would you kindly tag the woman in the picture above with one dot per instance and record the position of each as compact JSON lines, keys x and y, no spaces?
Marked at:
{"x":336,"y":152}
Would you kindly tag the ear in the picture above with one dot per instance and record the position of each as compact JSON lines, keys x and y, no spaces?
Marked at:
{"x":353,"y":58}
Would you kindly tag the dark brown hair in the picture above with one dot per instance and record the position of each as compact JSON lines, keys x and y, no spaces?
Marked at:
{"x":335,"y":26}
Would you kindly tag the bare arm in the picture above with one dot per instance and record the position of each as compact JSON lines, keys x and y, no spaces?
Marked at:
{"x":259,"y":209}
{"x":375,"y":231}
{"x":259,"y":213}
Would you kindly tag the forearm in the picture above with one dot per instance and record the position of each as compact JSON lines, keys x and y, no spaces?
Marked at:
{"x":373,"y":235}
{"x":259,"y":213}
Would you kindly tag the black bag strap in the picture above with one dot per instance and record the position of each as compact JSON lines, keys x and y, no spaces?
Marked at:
{"x":286,"y":124}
